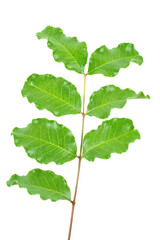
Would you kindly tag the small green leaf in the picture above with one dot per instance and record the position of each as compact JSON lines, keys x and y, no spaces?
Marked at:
{"x":109,"y":61}
{"x":54,"y":94}
{"x":108,"y":97}
{"x":45,"y":183}
{"x":65,"y":49}
{"x":46,"y":141}
{"x":112,"y":136}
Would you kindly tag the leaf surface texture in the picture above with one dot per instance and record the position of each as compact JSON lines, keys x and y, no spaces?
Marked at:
{"x":46,"y":141}
{"x":109,"y":61}
{"x":108,"y":97}
{"x":112,"y":136}
{"x":57,"y":95}
{"x":65,"y":49}
{"x":45,"y":183}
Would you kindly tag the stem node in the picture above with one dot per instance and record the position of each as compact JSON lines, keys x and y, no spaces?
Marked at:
{"x":83,"y":114}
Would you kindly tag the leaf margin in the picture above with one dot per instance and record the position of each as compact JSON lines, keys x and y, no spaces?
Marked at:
{"x":94,"y":95}
{"x":53,"y":121}
{"x":56,"y":58}
{"x":14,"y":181}
{"x":39,"y":105}
{"x":96,"y":130}
{"x":104,"y":48}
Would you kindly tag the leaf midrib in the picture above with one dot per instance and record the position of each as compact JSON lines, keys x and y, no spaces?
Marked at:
{"x":68,"y":52}
{"x":42,"y":140}
{"x":46,"y":189}
{"x":107,"y":104}
{"x":106,"y":63}
{"x":109,"y":141}
{"x":54,"y":96}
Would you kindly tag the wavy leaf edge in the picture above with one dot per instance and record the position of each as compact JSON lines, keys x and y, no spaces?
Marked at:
{"x":82,"y":67}
{"x":66,"y":82}
{"x":14,"y":181}
{"x":50,"y":121}
{"x":103,"y":123}
{"x":139,"y":95}
{"x":103,"y":48}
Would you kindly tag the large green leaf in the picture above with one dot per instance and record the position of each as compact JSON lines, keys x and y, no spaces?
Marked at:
{"x":65,"y":49}
{"x":109,"y":61}
{"x":109,"y":97}
{"x":46,"y":141}
{"x":112,"y":136}
{"x":45,"y":183}
{"x":54,"y":94}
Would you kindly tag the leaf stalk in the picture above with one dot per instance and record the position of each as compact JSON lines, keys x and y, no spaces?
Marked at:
{"x":79,"y":159}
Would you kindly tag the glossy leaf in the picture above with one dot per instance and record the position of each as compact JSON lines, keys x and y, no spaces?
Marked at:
{"x":109,"y":61}
{"x":65,"y":49}
{"x":45,"y":183}
{"x":112,"y":136}
{"x":54,"y":94}
{"x":109,"y":97}
{"x":46,"y":141}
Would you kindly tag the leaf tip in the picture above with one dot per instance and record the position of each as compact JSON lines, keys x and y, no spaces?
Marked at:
{"x":148,"y":96}
{"x":12,"y":133}
{"x":12,"y":181}
{"x":140,"y":60}
{"x":38,"y":35}
{"x":8,"y":183}
{"x":137,"y":134}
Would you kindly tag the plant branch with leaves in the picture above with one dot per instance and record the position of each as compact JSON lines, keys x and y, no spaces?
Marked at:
{"x":47,"y":141}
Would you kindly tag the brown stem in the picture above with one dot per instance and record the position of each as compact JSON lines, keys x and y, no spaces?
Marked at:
{"x":79,"y":160}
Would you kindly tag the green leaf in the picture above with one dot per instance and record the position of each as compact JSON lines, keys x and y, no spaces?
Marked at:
{"x":46,"y":141}
{"x":65,"y":49}
{"x":45,"y":183}
{"x":109,"y":61}
{"x":112,"y":136}
{"x":54,"y":94}
{"x":109,"y":97}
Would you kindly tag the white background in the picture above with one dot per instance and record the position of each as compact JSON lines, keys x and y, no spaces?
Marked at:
{"x":117,"y":198}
